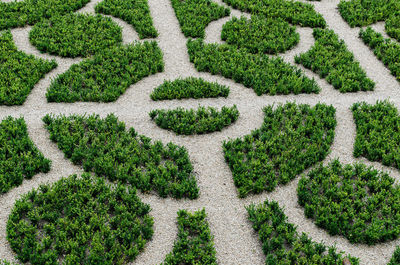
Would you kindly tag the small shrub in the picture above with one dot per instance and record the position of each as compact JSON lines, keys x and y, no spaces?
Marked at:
{"x":395,"y":260}
{"x":6,"y":262}
{"x":392,"y":26}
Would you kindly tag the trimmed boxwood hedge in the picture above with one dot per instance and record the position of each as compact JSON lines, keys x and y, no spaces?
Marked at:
{"x":79,"y":221}
{"x":105,"y":147}
{"x":392,"y":26}
{"x":358,"y":202}
{"x":292,"y":138}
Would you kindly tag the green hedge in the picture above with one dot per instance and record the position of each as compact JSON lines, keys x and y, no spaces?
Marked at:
{"x":195,"y":243}
{"x":19,"y":72}
{"x":330,"y":58}
{"x":392,"y":26}
{"x":134,"y":12}
{"x":282,"y":244}
{"x":108,"y":74}
{"x":105,"y":147}
{"x":6,"y":262}
{"x":395,"y":260}
{"x":291,"y":139}
{"x":79,"y":221}
{"x":358,"y":202}
{"x":264,"y":74}
{"x":200,"y":121}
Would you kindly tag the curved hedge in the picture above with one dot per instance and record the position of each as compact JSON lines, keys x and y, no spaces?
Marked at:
{"x":392,"y":26}
{"x":395,"y":260}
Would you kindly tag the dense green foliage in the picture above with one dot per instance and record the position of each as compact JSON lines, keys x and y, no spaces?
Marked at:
{"x":19,"y":157}
{"x":378,"y":132}
{"x":200,"y":121}
{"x":264,"y":74}
{"x":395,"y":260}
{"x":108,"y":74}
{"x":195,"y":243}
{"x":75,"y":35}
{"x":190,"y":87}
{"x":195,"y":15}
{"x":260,"y":34}
{"x":294,"y":12}
{"x":291,"y":139}
{"x":104,"y":147}
{"x":6,"y":262}
{"x":282,"y":244}
{"x":355,"y":201}
{"x":330,"y":58}
{"x":386,"y":50}
{"x":392,"y":26}
{"x":134,"y":12}
{"x":19,"y":72}
{"x":79,"y":221}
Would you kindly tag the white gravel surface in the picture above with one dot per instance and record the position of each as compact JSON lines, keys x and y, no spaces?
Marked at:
{"x":235,"y":240}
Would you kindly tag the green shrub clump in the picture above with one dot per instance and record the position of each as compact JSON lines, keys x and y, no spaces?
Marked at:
{"x":291,"y":139}
{"x":19,"y":72}
{"x":104,"y":147}
{"x":200,"y":121}
{"x":134,"y":12}
{"x":392,"y":26}
{"x":357,"y":202}
{"x":282,"y":244}
{"x":190,"y":87}
{"x":195,"y":15}
{"x":386,"y":50}
{"x":330,"y":58}
{"x":6,"y":262}
{"x":264,"y":74}
{"x":260,"y":34}
{"x":75,"y":35}
{"x":19,"y":156}
{"x":395,"y":260}
{"x":79,"y":221}
{"x":195,"y":243}
{"x":108,"y":74}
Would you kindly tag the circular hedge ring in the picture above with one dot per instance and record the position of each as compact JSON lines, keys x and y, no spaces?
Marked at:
{"x":75,"y":35}
{"x":260,"y":34}
{"x":358,"y":202}
{"x":79,"y":221}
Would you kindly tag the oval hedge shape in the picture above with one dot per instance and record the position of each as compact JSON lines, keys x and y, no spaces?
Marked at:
{"x":358,"y":202}
{"x":79,"y":221}
{"x":75,"y":35}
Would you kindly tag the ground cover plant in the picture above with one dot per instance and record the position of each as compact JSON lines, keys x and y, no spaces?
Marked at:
{"x":200,"y":121}
{"x":79,"y":221}
{"x":195,"y":243}
{"x":292,"y":138}
{"x":19,"y":72}
{"x":190,"y":87}
{"x":392,"y":26}
{"x":195,"y":15}
{"x":282,"y":244}
{"x":395,"y":260}
{"x":260,"y":34}
{"x":105,"y":147}
{"x":264,"y":74}
{"x":6,"y":262}
{"x":108,"y":74}
{"x":330,"y":58}
{"x":134,"y":12}
{"x":19,"y":156}
{"x":74,"y":35}
{"x":356,"y":201}
{"x":387,"y":50}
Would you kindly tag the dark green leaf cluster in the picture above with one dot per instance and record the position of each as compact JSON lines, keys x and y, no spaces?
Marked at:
{"x":104,"y":147}
{"x":134,"y":12}
{"x":19,"y":72}
{"x":19,"y":156}
{"x":358,"y":202}
{"x":195,"y":15}
{"x":395,"y":260}
{"x":195,"y":243}
{"x":260,"y":34}
{"x":108,"y":74}
{"x":292,"y":138}
{"x":378,"y":136}
{"x":282,"y":244}
{"x":386,"y":50}
{"x":294,"y":12}
{"x":264,"y":74}
{"x":392,"y":26}
{"x":75,"y":35}
{"x":330,"y":58}
{"x":200,"y":121}
{"x":190,"y":87}
{"x":79,"y":221}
